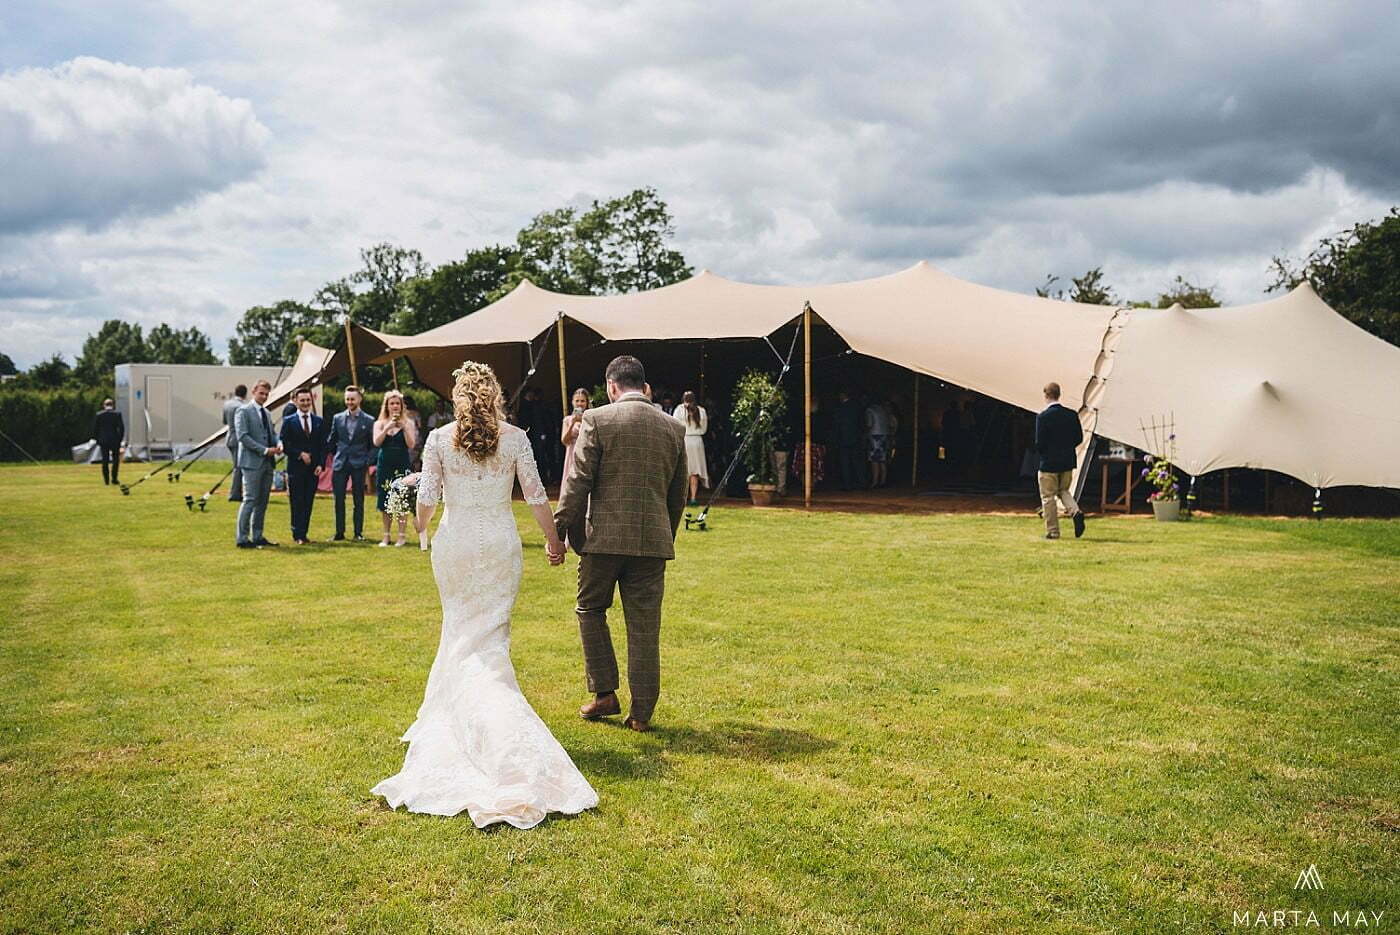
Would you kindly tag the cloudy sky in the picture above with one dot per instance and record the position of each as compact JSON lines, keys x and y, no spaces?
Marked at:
{"x":180,"y":160}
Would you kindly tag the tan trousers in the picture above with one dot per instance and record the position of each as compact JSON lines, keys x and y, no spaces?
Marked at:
{"x":642,"y":581}
{"x":1056,"y":485}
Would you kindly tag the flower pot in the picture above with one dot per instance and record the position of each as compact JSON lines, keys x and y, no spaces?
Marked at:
{"x":1166,"y":511}
{"x":762,"y":494}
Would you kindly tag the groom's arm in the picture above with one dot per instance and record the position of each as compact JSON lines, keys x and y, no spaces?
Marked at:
{"x":573,"y":494}
{"x":675,"y":499}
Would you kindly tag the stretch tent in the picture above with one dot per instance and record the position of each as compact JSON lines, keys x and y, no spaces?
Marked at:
{"x":1286,"y":384}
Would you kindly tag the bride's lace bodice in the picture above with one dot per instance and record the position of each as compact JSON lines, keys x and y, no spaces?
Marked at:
{"x":457,"y":480}
{"x":477,"y":745}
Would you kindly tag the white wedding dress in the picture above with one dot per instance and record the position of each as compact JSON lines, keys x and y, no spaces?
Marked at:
{"x":477,"y":745}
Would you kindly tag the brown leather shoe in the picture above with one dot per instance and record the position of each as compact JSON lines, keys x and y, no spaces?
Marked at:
{"x":640,"y":727}
{"x":600,"y":707}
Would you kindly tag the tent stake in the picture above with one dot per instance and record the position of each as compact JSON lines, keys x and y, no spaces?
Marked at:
{"x":807,"y":406}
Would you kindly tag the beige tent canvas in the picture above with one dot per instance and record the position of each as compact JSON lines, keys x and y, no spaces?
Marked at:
{"x":1287,"y":384}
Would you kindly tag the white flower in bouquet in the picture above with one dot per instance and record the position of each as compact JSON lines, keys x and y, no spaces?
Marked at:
{"x":402,"y":497}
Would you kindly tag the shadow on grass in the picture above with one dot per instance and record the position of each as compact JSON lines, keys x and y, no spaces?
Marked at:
{"x":750,"y":742}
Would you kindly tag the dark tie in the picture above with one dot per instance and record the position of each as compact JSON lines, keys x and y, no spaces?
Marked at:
{"x":267,"y":426}
{"x":306,"y":424}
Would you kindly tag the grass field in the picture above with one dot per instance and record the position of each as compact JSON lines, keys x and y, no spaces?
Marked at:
{"x":868,"y":723}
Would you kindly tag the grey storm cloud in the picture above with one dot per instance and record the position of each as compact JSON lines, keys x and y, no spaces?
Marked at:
{"x":91,"y":141}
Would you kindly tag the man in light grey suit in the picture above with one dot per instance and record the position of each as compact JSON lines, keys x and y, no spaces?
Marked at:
{"x":231,"y":407}
{"x":258,"y":449}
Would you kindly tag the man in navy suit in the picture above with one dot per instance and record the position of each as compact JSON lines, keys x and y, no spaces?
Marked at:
{"x":1057,"y":435}
{"x":352,"y":440}
{"x":304,"y":441}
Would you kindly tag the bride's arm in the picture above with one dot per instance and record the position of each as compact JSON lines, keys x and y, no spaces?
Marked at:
{"x":537,"y":498}
{"x":429,"y":484}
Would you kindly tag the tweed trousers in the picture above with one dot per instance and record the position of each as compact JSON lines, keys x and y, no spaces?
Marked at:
{"x":641,"y":580}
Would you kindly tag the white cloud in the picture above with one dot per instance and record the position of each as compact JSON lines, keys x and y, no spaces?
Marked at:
{"x":90,"y":141}
{"x":1001,"y":141}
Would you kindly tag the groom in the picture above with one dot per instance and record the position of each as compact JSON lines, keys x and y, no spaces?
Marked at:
{"x":619,"y":508}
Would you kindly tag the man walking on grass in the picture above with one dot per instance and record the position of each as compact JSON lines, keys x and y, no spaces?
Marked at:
{"x":1057,"y":435}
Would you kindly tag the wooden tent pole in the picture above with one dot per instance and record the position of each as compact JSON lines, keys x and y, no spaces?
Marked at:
{"x":350,"y":349}
{"x":394,"y":370}
{"x":807,"y":404}
{"x":914,"y":471}
{"x":563,"y":372}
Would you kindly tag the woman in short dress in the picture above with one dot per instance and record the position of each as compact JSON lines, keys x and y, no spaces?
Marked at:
{"x":569,"y":433}
{"x":696,"y":421}
{"x":395,"y":436}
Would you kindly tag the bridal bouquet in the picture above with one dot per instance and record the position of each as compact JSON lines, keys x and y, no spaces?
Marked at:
{"x":402,"y":497}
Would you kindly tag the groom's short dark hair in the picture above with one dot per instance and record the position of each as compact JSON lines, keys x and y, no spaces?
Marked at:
{"x":626,"y":371}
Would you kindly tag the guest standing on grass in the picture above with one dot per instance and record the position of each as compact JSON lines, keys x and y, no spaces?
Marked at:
{"x":257,"y":453}
{"x":231,"y":407}
{"x":304,"y":440}
{"x":110,"y":432}
{"x":696,"y":421}
{"x":1057,"y":435}
{"x":569,"y":433}
{"x":352,"y":441}
{"x":395,"y":437}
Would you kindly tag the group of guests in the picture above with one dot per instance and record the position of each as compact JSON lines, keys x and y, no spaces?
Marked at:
{"x":350,"y":442}
{"x":864,"y":436}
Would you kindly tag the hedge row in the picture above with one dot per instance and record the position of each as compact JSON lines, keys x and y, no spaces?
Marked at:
{"x":47,"y":423}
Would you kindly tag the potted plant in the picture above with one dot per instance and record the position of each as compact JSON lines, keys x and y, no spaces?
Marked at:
{"x":759,"y":406}
{"x":1166,"y":495}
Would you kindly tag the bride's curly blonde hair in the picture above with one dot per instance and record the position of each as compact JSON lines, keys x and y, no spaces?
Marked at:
{"x":477,"y":406}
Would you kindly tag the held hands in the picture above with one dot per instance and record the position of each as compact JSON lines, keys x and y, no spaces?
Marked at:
{"x":555,"y":550}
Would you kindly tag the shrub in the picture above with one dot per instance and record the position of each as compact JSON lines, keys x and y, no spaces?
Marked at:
{"x":48,"y":423}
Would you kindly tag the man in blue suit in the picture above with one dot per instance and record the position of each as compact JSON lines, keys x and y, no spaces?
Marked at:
{"x":257,"y":453}
{"x":352,"y":440}
{"x":304,"y":441}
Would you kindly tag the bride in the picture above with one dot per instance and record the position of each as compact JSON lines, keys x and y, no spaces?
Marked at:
{"x":477,"y":745}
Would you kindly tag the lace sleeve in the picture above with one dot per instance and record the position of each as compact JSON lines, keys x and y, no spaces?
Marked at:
{"x":430,"y":481}
{"x":527,"y":473}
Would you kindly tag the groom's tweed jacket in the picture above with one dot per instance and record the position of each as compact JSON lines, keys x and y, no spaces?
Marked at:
{"x":626,"y":492}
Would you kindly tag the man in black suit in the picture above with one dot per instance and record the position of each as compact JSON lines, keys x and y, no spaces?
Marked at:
{"x":110,"y":431}
{"x":305,"y":441}
{"x":1057,"y":435}
{"x":850,"y":431}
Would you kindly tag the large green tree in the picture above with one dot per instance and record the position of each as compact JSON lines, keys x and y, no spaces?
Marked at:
{"x":48,"y":374}
{"x":1188,"y":295}
{"x":1356,"y":271}
{"x":266,"y":335}
{"x":452,"y":290}
{"x":386,"y":268}
{"x":618,"y":245}
{"x":7,"y":366}
{"x":116,"y":342}
{"x":1089,"y":289}
{"x":167,"y":345}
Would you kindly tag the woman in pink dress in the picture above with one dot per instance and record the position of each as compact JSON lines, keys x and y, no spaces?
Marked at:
{"x":569,"y":434}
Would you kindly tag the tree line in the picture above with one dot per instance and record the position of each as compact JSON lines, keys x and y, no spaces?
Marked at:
{"x":623,"y":245}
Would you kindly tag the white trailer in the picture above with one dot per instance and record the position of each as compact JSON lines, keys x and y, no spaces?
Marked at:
{"x":170,"y":408}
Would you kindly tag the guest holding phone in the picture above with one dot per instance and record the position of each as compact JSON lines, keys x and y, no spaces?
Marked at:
{"x":395,"y":436}
{"x":569,"y":434}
